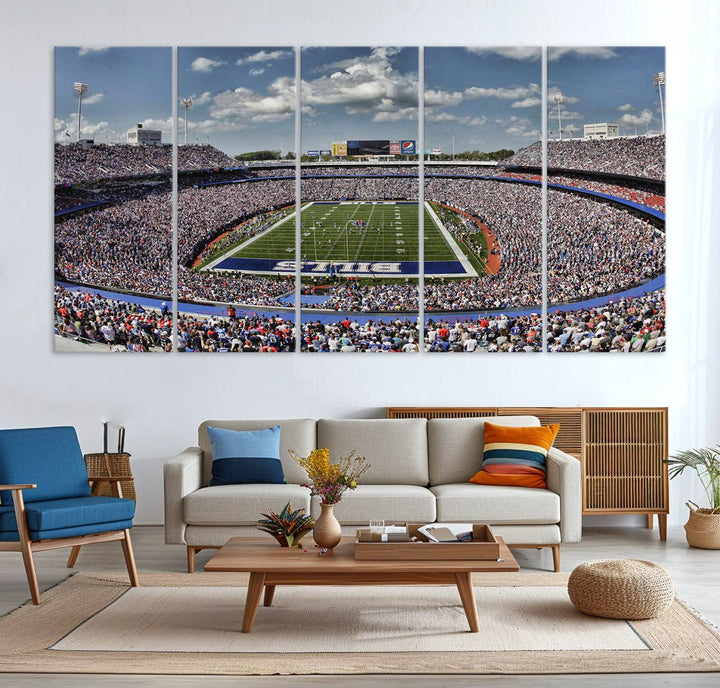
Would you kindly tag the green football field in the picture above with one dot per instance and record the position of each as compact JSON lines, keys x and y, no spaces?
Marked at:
{"x":330,"y":232}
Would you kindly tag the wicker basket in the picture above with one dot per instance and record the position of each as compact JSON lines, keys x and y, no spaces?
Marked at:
{"x":703,"y":527}
{"x":109,"y":466}
{"x":621,"y":589}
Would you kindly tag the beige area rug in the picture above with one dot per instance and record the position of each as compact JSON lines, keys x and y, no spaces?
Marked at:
{"x":189,"y":624}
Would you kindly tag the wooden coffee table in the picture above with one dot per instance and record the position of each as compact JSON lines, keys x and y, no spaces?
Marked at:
{"x":270,"y":565}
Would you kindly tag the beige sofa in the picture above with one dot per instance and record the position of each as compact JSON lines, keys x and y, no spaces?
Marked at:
{"x":419,"y":472}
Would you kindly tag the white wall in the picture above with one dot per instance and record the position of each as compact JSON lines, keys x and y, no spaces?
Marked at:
{"x":162,"y":398}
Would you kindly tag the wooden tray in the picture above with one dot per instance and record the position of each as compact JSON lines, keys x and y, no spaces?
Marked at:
{"x":483,"y":547}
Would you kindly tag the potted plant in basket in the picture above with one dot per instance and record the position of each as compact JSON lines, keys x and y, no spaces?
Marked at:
{"x":328,"y":481}
{"x":703,"y":527}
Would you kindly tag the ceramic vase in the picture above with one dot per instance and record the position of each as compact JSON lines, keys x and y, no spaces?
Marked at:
{"x":327,"y":532}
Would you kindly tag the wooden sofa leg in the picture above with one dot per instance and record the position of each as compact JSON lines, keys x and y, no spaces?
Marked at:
{"x":72,"y":559}
{"x":129,"y":559}
{"x":191,"y":559}
{"x":556,"y":558}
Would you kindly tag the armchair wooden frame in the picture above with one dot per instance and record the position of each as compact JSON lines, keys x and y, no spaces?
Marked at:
{"x":26,"y":546}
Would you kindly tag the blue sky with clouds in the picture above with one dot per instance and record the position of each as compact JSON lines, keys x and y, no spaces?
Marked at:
{"x":605,"y":84}
{"x":126,"y":86}
{"x":243,"y":98}
{"x":358,"y":93}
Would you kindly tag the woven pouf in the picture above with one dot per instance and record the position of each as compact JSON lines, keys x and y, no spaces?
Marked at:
{"x":621,"y":589}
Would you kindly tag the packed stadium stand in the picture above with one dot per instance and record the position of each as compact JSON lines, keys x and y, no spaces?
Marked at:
{"x":113,"y":232}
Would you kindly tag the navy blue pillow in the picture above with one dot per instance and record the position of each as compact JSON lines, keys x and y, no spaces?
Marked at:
{"x":245,"y":456}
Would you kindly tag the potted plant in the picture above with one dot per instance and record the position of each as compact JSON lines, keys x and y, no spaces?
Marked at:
{"x":288,"y":527}
{"x":703,"y":527}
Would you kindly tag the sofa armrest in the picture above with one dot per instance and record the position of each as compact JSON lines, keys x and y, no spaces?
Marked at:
{"x":181,"y":475}
{"x":564,"y":477}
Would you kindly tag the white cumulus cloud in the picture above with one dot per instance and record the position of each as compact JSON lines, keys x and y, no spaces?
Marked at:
{"x":367,"y":84}
{"x":205,"y":64}
{"x":514,"y":53}
{"x":89,"y":49}
{"x":626,"y":108}
{"x":532,"y":101}
{"x":586,"y":52}
{"x":643,"y":118}
{"x":265,"y":56}
{"x":93,"y":99}
{"x":511,"y":93}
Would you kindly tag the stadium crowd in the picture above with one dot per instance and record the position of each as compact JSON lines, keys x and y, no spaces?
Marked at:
{"x":75,"y":163}
{"x":644,"y":194}
{"x":128,"y":245}
{"x":624,"y":325}
{"x":639,"y":156}
{"x":593,"y":249}
{"x":125,"y":246}
{"x":92,"y":318}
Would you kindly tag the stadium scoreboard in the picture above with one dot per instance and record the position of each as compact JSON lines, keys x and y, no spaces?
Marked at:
{"x":374,"y":147}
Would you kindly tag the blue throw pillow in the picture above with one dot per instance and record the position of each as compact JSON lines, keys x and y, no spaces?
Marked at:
{"x":241,"y":457}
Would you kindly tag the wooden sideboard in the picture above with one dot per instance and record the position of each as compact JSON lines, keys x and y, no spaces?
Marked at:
{"x":622,"y":451}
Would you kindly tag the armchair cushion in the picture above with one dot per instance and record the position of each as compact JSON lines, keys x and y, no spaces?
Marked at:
{"x":58,"y":518}
{"x":49,"y":457}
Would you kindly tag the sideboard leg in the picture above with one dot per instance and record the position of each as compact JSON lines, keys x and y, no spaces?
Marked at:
{"x":650,"y":521}
{"x":662,"y":523}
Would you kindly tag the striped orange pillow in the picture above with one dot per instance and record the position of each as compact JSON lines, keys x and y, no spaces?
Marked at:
{"x":515,"y":456}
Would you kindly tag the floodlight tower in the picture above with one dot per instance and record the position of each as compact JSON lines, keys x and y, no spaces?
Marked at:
{"x":659,"y":81}
{"x":80,"y":90}
{"x":559,"y":100}
{"x":186,"y":104}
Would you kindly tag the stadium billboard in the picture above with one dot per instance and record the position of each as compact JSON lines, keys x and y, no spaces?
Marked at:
{"x":369,"y":147}
{"x":395,"y":148}
{"x":339,"y":148}
{"x":313,"y":153}
{"x":408,"y":147}
{"x":325,"y":152}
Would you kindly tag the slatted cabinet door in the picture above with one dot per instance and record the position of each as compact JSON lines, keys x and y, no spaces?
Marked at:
{"x":623,"y":463}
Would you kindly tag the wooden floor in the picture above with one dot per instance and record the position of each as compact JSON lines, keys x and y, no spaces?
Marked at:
{"x":696,"y":574}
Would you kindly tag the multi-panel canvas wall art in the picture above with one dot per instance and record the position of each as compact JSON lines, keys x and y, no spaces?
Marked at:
{"x":360,"y":199}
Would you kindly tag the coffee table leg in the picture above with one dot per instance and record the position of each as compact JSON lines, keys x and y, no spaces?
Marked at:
{"x":269,"y":592}
{"x":252,"y":601}
{"x":464,"y":586}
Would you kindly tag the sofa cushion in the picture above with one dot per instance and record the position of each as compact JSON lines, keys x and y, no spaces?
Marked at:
{"x":245,"y":456}
{"x":515,"y":456}
{"x":227,"y":505}
{"x":51,"y":458}
{"x":382,"y":502}
{"x":547,"y":534}
{"x":496,"y":504}
{"x":295,"y":433}
{"x":396,"y":449}
{"x":455,"y":445}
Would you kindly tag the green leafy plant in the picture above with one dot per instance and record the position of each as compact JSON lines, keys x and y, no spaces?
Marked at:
{"x":288,"y":527}
{"x":706,"y":463}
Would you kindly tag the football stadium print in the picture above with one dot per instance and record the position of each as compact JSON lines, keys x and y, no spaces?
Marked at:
{"x":418,"y":222}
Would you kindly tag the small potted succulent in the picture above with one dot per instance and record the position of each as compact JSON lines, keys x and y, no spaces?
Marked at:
{"x":288,"y":527}
{"x":703,"y":528}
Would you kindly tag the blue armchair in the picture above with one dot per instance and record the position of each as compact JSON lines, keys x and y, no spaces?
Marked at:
{"x":45,"y":499}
